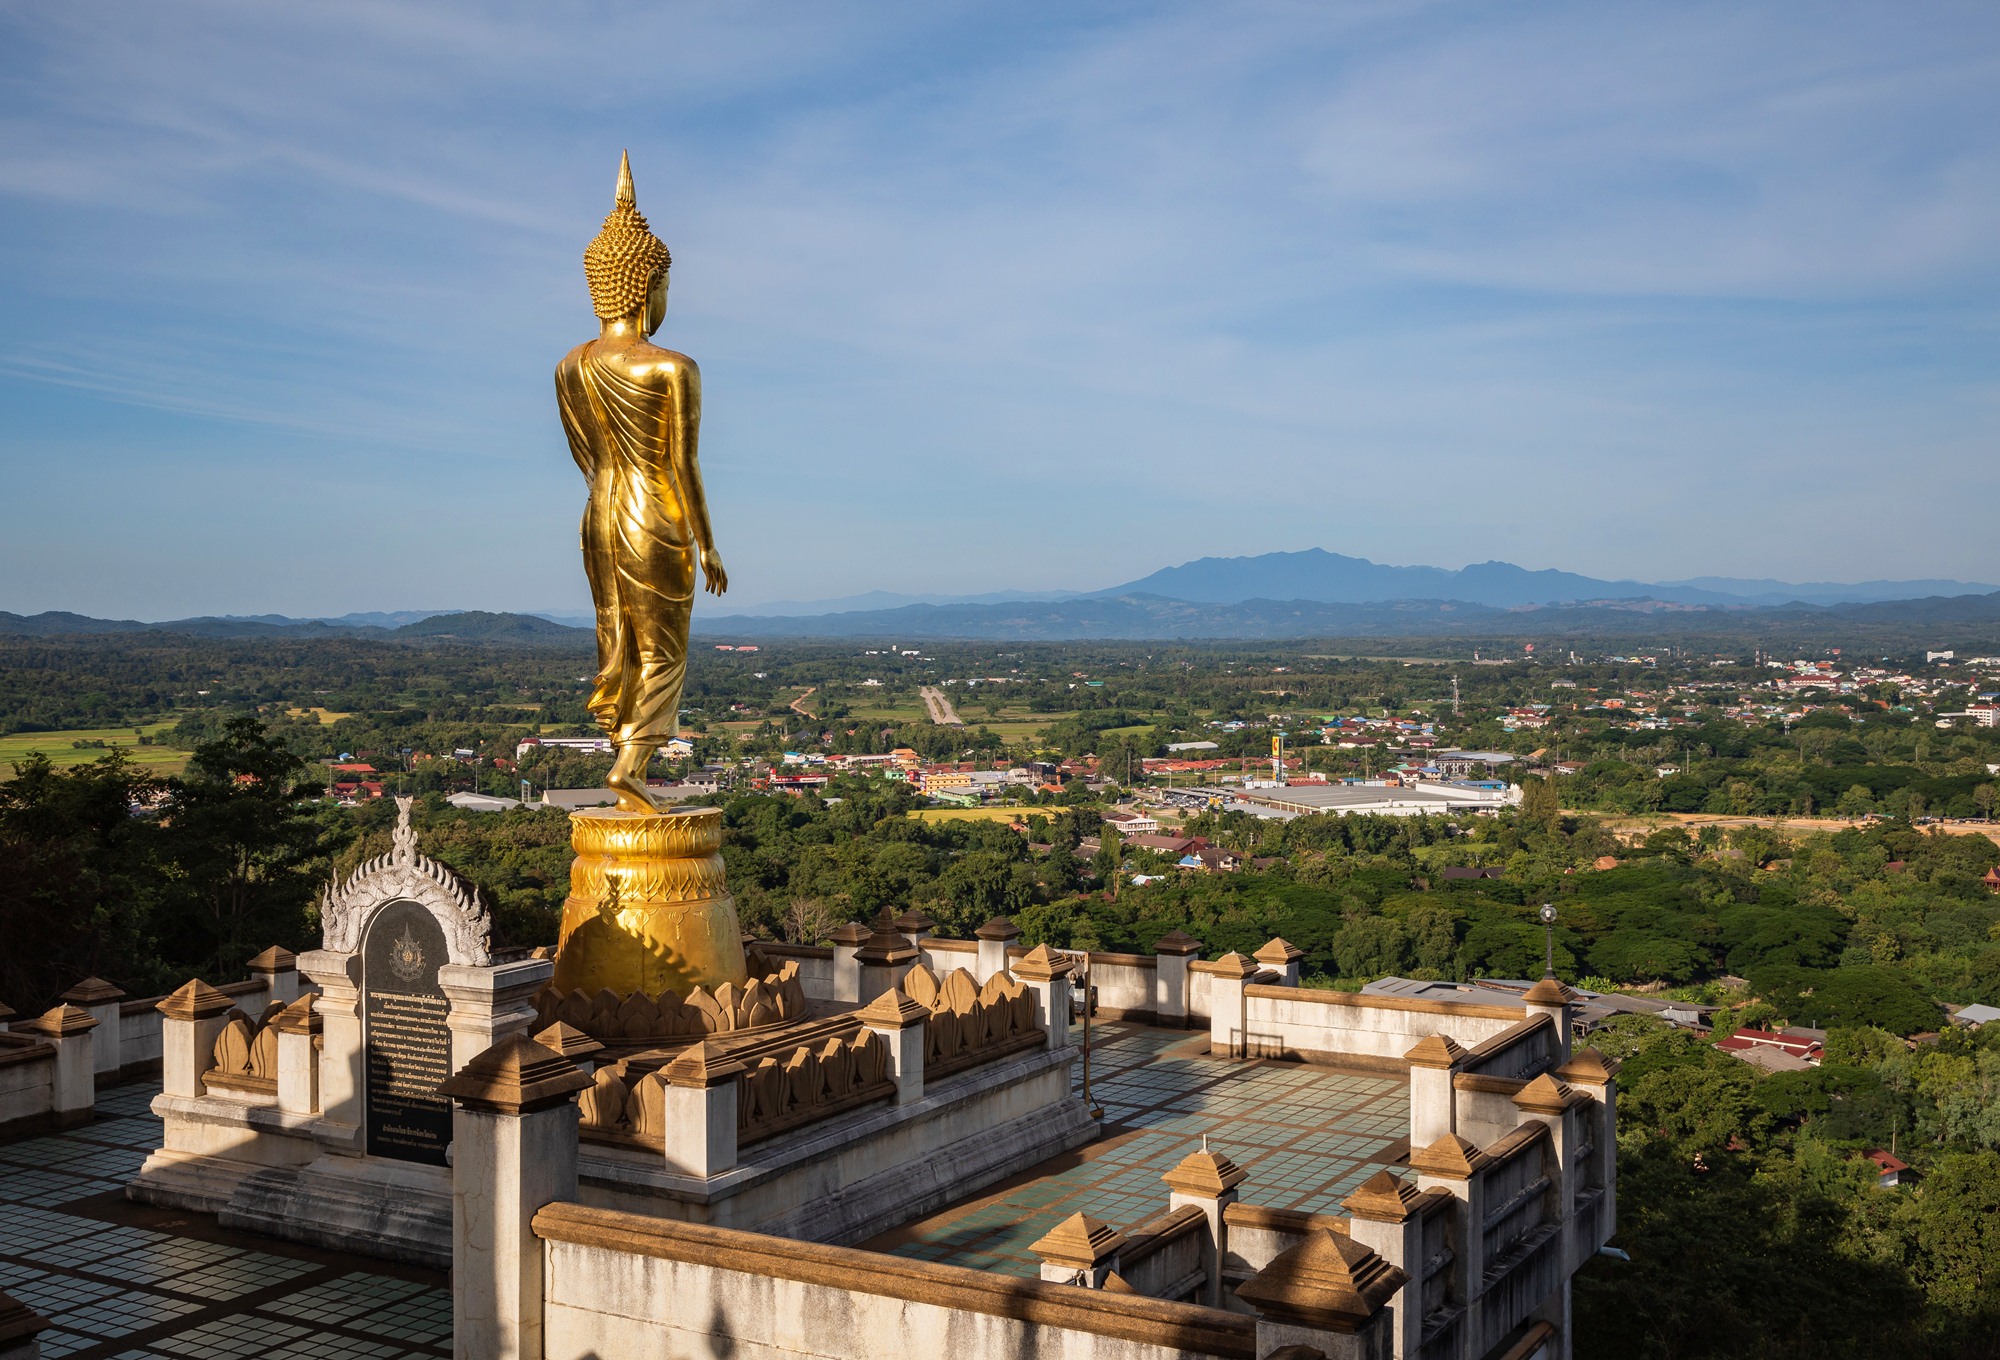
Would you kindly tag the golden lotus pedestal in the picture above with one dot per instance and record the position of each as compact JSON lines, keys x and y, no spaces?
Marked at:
{"x":648,"y":910}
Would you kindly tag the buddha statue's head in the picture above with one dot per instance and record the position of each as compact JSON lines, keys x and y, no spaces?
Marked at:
{"x":627,"y":265}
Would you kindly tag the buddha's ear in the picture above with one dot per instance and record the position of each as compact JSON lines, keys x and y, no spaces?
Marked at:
{"x":656,"y":303}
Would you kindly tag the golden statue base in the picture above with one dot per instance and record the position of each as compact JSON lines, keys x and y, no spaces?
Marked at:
{"x":648,"y":910}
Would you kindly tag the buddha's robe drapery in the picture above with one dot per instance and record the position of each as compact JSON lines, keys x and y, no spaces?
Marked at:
{"x":632,"y":415}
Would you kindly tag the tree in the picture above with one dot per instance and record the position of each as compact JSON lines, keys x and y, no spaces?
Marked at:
{"x":1699,"y":1109}
{"x":1433,"y":933}
{"x":80,"y":884}
{"x":1958,"y":1233}
{"x":1855,"y":996}
{"x":1106,"y":862}
{"x":1370,"y":947}
{"x":1858,"y":801}
{"x":809,"y":920}
{"x":1540,"y":807}
{"x":240,"y":844}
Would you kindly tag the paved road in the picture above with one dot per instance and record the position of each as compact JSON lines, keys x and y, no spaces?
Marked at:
{"x":942,"y":713}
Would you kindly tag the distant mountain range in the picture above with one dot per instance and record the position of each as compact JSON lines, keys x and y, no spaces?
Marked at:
{"x":1276,"y":595}
{"x":1331,"y":578}
{"x":1139,"y":616}
{"x":1316,"y":574}
{"x":470,"y":625}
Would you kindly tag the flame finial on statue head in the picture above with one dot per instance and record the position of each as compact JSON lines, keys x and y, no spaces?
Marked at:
{"x":626,"y":257}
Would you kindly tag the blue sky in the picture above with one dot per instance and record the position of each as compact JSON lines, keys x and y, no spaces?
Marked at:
{"x":1008,"y":296}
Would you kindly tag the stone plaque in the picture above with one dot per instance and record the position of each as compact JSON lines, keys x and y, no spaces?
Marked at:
{"x":408,"y":1042}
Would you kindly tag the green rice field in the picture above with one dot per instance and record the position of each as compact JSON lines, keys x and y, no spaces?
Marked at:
{"x":62,"y":750}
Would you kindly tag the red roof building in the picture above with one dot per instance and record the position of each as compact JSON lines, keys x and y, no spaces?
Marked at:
{"x":1889,"y":1168}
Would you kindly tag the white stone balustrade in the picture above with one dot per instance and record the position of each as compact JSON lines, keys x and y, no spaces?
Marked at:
{"x":514,"y":1149}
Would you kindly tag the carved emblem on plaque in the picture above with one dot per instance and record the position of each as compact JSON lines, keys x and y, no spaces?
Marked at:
{"x":406,"y":957}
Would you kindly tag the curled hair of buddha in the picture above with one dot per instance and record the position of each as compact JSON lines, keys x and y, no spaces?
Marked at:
{"x":625,"y":258}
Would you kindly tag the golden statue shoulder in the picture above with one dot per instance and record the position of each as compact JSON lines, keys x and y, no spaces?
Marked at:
{"x":642,"y":364}
{"x":649,"y":363}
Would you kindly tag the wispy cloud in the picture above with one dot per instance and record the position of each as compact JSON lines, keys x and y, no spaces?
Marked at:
{"x":1148,"y":281}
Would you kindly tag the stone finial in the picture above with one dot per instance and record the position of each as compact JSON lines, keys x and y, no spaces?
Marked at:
{"x":915,"y":922}
{"x":1548,"y":992}
{"x":1326,"y":1281}
{"x":275,"y":959}
{"x":299,"y":1017}
{"x":1079,"y":1241}
{"x":1435,"y":1050}
{"x":1114,"y":1283}
{"x":894,"y":1009}
{"x":568,"y":1040}
{"x":1205,"y":1173}
{"x":195,"y":1001}
{"x":1384,"y":1197}
{"x":93,"y":991}
{"x":999,"y":928}
{"x":515,"y":1076}
{"x":1279,"y":953}
{"x":885,"y":945}
{"x":1545,"y":1095}
{"x":1177,"y":941}
{"x":6,"y":1012}
{"x":1452,"y":1157}
{"x":705,"y":1064}
{"x":1589,"y":1067}
{"x":62,"y":1019}
{"x":853,"y":934}
{"x":1234,"y":965}
{"x":1042,"y":964}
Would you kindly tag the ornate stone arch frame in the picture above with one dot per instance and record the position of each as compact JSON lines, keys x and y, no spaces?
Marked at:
{"x":405,"y":875}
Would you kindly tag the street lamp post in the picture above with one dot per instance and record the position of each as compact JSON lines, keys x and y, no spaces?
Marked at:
{"x":1549,"y":939}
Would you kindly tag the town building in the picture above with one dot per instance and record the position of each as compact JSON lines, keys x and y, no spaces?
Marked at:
{"x":1378,"y":797}
{"x":593,"y":745}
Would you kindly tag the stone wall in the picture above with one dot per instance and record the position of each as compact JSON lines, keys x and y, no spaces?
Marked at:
{"x":1329,"y":1026}
{"x":1124,"y":985}
{"x":1167,"y":1257}
{"x":815,"y":965}
{"x":27,"y":1082}
{"x":849,"y":1178}
{"x":1256,"y":1235}
{"x":617,"y":1285}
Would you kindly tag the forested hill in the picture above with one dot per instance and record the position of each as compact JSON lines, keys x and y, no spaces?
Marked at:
{"x":1973,"y":620}
{"x":1963,"y":621}
{"x":469,"y":625}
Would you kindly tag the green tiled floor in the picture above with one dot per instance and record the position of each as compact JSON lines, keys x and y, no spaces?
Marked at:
{"x":120,"y":1280}
{"x":1306,"y":1135}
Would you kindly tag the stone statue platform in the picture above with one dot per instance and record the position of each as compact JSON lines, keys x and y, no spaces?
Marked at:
{"x":823,"y":1104}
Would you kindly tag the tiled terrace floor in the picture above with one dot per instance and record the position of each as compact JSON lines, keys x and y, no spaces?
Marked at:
{"x":1306,"y":1135}
{"x":118,"y":1279}
{"x":130,"y":1282}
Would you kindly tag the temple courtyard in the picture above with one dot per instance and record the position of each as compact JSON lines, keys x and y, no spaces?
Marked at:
{"x":1307,"y":1136}
{"x":118,"y":1279}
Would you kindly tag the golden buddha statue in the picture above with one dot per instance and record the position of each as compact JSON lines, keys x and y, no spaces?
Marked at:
{"x":647,"y":910}
{"x":632,"y":412}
